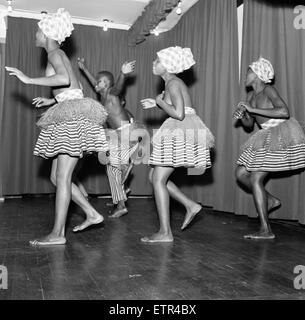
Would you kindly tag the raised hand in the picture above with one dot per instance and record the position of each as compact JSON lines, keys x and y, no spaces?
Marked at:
{"x":42,"y":102}
{"x":17,"y":73}
{"x":160,"y":98}
{"x":81,"y":63}
{"x":246,"y":106}
{"x":148,"y":103}
{"x":128,"y":67}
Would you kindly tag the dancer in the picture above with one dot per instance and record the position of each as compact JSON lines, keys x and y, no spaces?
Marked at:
{"x":121,"y":125}
{"x":278,"y":146}
{"x":182,"y":141}
{"x":70,"y":128}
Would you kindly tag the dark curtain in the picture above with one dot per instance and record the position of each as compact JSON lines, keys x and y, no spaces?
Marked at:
{"x":2,"y":75}
{"x":269,"y":31}
{"x":209,"y":29}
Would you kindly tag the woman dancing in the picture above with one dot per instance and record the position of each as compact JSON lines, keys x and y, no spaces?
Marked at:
{"x":70,"y":128}
{"x":278,"y":146}
{"x":183,"y":140}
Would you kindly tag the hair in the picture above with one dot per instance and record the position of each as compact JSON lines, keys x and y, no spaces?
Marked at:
{"x":108,"y":75}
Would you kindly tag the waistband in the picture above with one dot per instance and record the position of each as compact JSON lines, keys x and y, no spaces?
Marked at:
{"x":272,"y":123}
{"x":69,"y":94}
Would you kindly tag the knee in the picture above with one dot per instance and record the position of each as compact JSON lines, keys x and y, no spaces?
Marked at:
{"x":62,"y":177}
{"x":256,"y":179}
{"x":157,"y":179}
{"x":240,"y":172}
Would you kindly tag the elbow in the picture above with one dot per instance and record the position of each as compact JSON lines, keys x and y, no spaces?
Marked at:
{"x":64,"y":81}
{"x":180,"y":116}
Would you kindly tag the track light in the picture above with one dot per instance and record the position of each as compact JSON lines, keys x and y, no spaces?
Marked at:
{"x":179,"y":10}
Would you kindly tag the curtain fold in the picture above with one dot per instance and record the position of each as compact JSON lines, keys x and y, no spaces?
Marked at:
{"x":269,"y":31}
{"x":2,"y":76}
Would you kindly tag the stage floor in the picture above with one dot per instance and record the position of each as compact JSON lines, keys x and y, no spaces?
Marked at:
{"x":209,"y":260}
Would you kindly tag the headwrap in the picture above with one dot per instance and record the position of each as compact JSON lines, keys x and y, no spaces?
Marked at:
{"x":263,"y":69}
{"x":57,"y":26}
{"x":176,"y":59}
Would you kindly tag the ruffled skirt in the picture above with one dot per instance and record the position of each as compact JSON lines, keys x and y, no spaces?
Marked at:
{"x":72,"y":127}
{"x":277,"y":148}
{"x":185,"y":143}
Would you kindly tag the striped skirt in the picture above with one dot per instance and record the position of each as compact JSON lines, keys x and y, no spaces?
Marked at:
{"x":73,"y":127}
{"x":183,"y":143}
{"x":278,"y":146}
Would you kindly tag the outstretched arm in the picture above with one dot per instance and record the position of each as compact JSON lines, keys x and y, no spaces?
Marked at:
{"x":90,"y":77}
{"x":127,"y":68}
{"x":60,"y":78}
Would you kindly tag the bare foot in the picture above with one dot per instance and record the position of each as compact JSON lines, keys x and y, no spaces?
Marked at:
{"x":261,"y":235}
{"x":118,"y":212}
{"x":158,"y":237}
{"x":49,"y":240}
{"x":89,"y":222}
{"x":273,"y":203}
{"x":190,"y":215}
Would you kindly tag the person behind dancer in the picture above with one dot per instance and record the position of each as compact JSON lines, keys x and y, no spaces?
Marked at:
{"x":279,"y":145}
{"x":183,"y":140}
{"x":118,"y":120}
{"x":69,"y":129}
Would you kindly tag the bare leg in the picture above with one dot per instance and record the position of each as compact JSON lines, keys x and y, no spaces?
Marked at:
{"x":243,"y":176}
{"x":192,"y":207}
{"x":261,"y":203}
{"x":92,"y":216}
{"x":160,"y":177}
{"x":65,"y":167}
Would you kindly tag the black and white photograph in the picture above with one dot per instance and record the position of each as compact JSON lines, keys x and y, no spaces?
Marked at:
{"x":152,"y":151}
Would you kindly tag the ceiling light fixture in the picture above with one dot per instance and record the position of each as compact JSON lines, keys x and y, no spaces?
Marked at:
{"x":9,"y":6}
{"x":105,"y":24}
{"x":179,"y":10}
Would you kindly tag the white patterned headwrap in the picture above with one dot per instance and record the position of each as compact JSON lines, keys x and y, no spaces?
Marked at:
{"x":57,"y":26}
{"x":263,"y":69}
{"x":176,"y":59}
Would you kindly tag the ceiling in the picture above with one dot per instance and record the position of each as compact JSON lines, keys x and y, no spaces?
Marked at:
{"x":120,"y":12}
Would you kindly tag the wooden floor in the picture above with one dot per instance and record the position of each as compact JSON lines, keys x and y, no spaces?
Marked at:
{"x":210,"y":260}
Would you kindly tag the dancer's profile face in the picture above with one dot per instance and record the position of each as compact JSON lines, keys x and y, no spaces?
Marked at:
{"x":158,"y":68}
{"x":250,"y":77}
{"x":102,"y":84}
{"x":40,"y":38}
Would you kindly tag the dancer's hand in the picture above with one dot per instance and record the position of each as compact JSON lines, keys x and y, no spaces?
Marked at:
{"x":159,"y":98}
{"x":81,"y":63}
{"x":148,"y":103}
{"x":239,"y":113}
{"x":17,"y":73}
{"x":128,"y":67}
{"x":42,"y":102}
{"x":246,"y":105}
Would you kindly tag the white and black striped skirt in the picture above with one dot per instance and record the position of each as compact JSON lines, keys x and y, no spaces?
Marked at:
{"x":278,"y":147}
{"x":185,"y":143}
